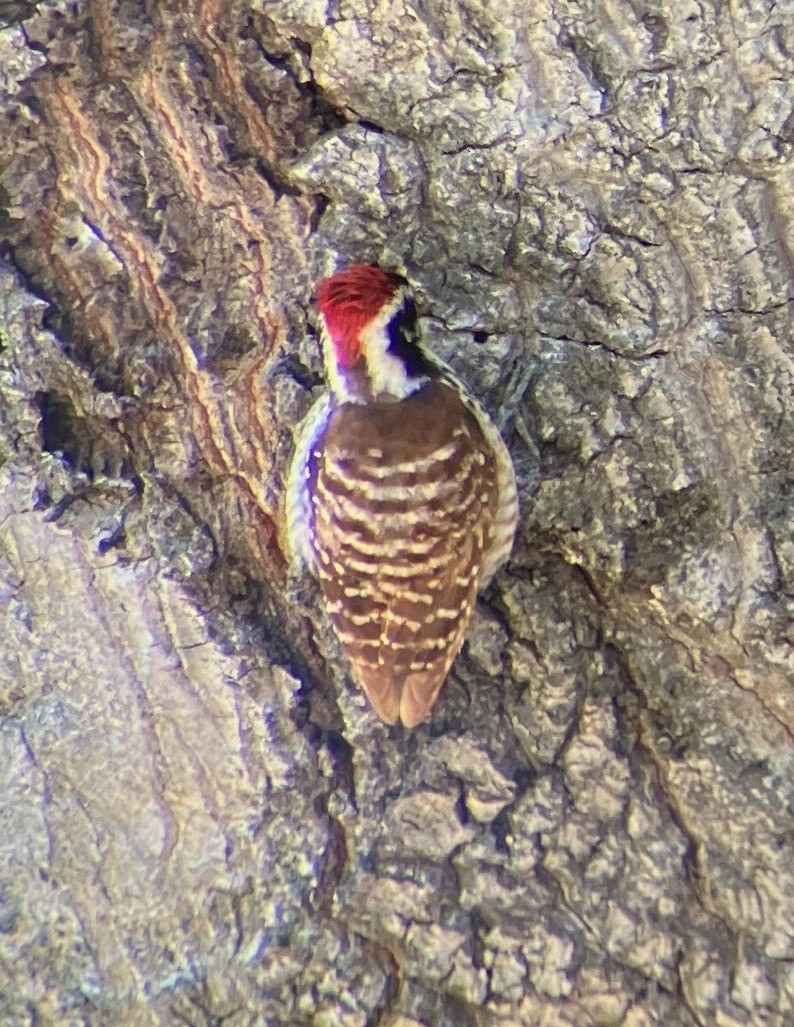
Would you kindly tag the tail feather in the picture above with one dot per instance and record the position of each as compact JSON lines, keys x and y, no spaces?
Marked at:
{"x":381,"y":690}
{"x":409,"y":698}
{"x":419,"y":694}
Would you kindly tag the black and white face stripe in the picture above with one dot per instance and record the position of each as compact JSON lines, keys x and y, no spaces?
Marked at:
{"x":404,"y":340}
{"x":393,"y":361}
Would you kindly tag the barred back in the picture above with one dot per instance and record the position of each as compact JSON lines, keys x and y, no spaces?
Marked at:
{"x":404,"y":502}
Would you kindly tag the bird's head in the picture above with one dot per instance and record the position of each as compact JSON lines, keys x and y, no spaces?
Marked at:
{"x":371,"y":336}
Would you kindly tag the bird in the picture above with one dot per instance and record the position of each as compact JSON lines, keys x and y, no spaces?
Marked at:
{"x":401,"y":494}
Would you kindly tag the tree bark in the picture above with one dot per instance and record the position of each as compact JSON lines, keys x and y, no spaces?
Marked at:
{"x":201,"y":820}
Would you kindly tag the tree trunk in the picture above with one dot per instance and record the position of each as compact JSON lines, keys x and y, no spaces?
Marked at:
{"x":201,"y":820}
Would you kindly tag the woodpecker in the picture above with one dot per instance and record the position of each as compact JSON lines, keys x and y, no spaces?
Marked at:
{"x":401,"y":496}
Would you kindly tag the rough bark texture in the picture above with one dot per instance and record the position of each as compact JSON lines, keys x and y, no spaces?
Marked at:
{"x":201,"y":821}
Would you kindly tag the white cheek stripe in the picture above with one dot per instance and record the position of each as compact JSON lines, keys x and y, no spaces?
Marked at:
{"x":334,"y":377}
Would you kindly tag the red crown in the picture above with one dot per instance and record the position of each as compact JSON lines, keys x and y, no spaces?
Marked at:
{"x":348,"y":301}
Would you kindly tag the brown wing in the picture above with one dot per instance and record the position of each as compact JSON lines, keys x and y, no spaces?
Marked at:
{"x":404,"y":501}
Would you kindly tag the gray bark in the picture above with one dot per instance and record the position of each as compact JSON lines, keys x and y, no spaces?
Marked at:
{"x":201,"y":821}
